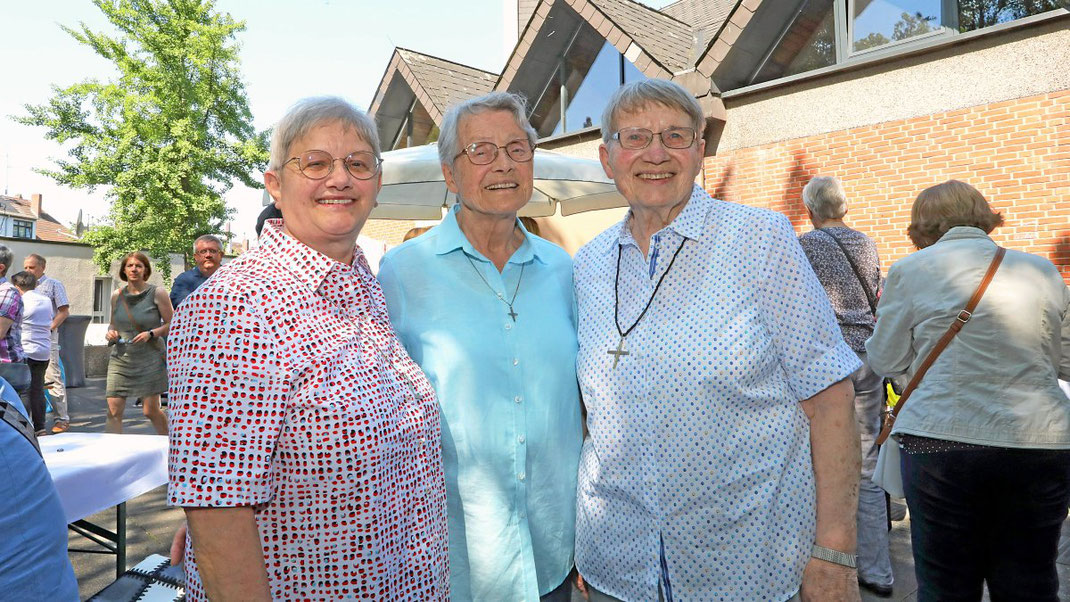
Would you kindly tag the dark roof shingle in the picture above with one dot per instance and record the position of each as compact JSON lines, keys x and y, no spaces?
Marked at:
{"x":446,"y":82}
{"x":666,"y":39}
{"x":706,"y":16}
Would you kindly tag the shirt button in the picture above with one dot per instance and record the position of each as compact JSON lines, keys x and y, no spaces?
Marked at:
{"x":516,"y":362}
{"x":508,"y":326}
{"x":518,"y":399}
{"x":521,"y":439}
{"x":521,"y":476}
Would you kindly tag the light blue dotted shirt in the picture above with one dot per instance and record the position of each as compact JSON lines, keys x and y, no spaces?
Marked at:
{"x":697,"y":441}
{"x":511,"y":431}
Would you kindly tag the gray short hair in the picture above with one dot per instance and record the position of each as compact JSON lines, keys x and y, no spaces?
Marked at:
{"x":635,"y":96}
{"x":449,"y":145}
{"x":825,"y":198}
{"x":39,"y":259}
{"x":208,"y":238}
{"x":24,"y":281}
{"x":6,"y":257}
{"x":308,"y":113}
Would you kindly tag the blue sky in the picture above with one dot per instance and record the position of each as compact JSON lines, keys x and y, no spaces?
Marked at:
{"x":291,"y":49}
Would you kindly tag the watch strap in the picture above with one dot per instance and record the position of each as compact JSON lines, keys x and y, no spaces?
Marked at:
{"x":834,"y":556}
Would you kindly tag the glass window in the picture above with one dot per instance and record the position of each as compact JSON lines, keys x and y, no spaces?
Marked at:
{"x":598,"y":82}
{"x":809,"y":43}
{"x":592,"y":71}
{"x":876,"y":23}
{"x":21,"y":229}
{"x":101,"y":299}
{"x":975,"y":14}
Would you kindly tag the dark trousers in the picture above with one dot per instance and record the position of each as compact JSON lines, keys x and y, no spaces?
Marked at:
{"x":988,"y":515}
{"x":37,"y":392}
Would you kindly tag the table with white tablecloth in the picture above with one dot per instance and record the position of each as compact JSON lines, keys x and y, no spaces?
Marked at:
{"x":96,"y":471}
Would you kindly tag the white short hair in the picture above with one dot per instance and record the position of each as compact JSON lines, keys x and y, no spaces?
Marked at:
{"x":825,"y":198}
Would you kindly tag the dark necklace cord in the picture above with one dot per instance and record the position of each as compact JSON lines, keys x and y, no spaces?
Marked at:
{"x":616,"y":291}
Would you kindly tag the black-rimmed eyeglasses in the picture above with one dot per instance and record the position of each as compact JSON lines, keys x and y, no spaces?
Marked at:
{"x":640,"y":138}
{"x":483,"y":153}
{"x":317,"y":164}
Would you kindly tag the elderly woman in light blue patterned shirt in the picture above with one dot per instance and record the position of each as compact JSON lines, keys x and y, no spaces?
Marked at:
{"x":486,"y":309}
{"x":723,"y":457}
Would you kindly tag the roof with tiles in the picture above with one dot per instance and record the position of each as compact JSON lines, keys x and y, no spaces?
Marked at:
{"x":706,"y":16}
{"x":446,"y":82}
{"x":48,"y":228}
{"x":666,"y":39}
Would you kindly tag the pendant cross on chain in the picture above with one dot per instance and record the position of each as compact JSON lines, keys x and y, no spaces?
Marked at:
{"x":619,"y":351}
{"x":512,"y":314}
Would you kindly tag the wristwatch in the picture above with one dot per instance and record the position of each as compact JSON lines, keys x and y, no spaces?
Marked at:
{"x":834,"y":556}
{"x":151,"y":333}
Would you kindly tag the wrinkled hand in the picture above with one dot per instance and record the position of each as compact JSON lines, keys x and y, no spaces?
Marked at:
{"x":112,"y":336}
{"x":825,"y":581}
{"x":142,"y":337}
{"x":178,"y":545}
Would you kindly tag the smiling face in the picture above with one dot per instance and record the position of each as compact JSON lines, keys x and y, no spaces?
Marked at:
{"x":324,"y":214}
{"x":653,"y":178}
{"x":501,"y":187}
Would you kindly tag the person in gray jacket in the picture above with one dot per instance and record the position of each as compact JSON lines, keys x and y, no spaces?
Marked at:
{"x":986,"y":435}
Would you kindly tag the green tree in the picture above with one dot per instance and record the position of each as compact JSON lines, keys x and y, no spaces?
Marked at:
{"x":911,"y":25}
{"x":169,"y":135}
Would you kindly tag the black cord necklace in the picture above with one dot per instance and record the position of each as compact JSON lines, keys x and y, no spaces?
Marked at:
{"x":619,"y":351}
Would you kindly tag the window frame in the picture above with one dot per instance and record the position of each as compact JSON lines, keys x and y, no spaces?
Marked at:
{"x":948,"y":12}
{"x":947,"y":34}
{"x":18,"y":225}
{"x":102,"y":316}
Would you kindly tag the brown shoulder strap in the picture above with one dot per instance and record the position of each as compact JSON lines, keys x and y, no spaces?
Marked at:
{"x":960,"y":321}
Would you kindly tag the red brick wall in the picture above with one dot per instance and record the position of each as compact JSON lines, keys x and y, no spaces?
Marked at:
{"x":1017,"y":153}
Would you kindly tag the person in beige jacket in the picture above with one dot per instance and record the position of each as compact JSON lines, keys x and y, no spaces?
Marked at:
{"x":986,"y":435}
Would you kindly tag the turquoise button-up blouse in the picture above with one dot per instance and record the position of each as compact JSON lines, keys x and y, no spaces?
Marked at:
{"x":511,"y":430}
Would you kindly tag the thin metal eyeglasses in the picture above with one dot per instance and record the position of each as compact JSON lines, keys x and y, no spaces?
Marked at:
{"x":208,"y":252}
{"x":317,"y":164}
{"x":640,"y":138}
{"x":485,"y":153}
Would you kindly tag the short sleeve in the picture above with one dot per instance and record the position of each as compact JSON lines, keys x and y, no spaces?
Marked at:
{"x":229,"y":397}
{"x":9,"y":303}
{"x":799,"y":316}
{"x":59,"y":294}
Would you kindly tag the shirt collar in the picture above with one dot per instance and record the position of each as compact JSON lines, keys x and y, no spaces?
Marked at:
{"x":307,"y":264}
{"x":449,"y":238}
{"x":964,"y":233}
{"x":690,"y":223}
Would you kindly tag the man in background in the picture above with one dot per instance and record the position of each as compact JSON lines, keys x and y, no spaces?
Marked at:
{"x":61,"y":308}
{"x":207,"y":255}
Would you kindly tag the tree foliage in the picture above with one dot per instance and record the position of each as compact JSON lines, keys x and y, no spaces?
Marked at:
{"x":169,"y":134}
{"x":975,"y":14}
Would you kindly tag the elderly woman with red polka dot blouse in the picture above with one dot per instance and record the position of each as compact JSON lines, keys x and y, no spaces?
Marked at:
{"x":304,"y":440}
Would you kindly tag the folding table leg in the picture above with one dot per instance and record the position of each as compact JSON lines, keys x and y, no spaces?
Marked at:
{"x":120,"y":540}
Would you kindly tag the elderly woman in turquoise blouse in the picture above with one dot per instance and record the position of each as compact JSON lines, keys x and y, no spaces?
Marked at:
{"x":486,"y":309}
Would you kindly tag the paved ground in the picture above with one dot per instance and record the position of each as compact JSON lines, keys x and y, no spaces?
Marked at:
{"x":151,"y":523}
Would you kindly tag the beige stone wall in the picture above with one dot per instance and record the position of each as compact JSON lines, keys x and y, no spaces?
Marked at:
{"x":1016,"y":63}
